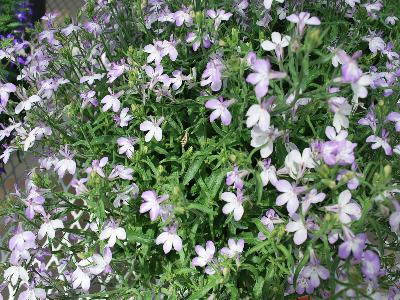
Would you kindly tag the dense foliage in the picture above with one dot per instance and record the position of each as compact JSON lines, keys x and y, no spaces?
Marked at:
{"x":220,"y":149}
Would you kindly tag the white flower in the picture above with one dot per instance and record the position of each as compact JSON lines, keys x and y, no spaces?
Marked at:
{"x":234,"y":204}
{"x":268,"y":174}
{"x":296,"y":225}
{"x":112,"y":232}
{"x":101,"y":263}
{"x":153,"y":128}
{"x":27,"y":104}
{"x":126,"y":145}
{"x":296,"y":163}
{"x":91,"y":78}
{"x":218,"y":16}
{"x":124,"y":117}
{"x":80,"y":278}
{"x":258,"y":115}
{"x":352,"y":3}
{"x":359,"y":88}
{"x":347,"y":210}
{"x":289,"y":195}
{"x":268,"y":3}
{"x":277,"y":44}
{"x":204,"y":255}
{"x":14,"y":273}
{"x":65,"y":165}
{"x":112,"y":101}
{"x":155,"y":52}
{"x":48,"y":228}
{"x":235,"y":248}
{"x":264,"y":139}
{"x":121,"y":172}
{"x":170,"y":240}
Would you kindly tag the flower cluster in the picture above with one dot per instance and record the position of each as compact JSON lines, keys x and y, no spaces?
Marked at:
{"x":244,"y":149}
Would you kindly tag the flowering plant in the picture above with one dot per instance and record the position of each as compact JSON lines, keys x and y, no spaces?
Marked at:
{"x":244,"y":149}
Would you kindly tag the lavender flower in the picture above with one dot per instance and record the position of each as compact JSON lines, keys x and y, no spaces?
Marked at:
{"x":101,"y":263}
{"x":27,"y":104}
{"x":67,"y":164}
{"x":205,"y":256}
{"x":124,"y":118}
{"x":262,"y":75}
{"x":213,"y":74}
{"x":290,"y":195}
{"x":268,"y":173}
{"x":380,"y":142}
{"x":341,"y":108}
{"x":370,"y":265}
{"x":234,"y":249}
{"x":97,"y":167}
{"x":297,"y":225}
{"x":346,"y":209}
{"x":394,"y":117}
{"x":350,"y":70}
{"x":15,"y":273}
{"x":121,"y":172}
{"x":34,"y":205}
{"x":264,"y":139}
{"x":394,"y":219}
{"x":278,"y":42}
{"x":112,"y":101}
{"x":81,"y":278}
{"x":152,"y":203}
{"x":312,"y":197}
{"x":234,"y":204}
{"x":220,"y":107}
{"x":48,"y":227}
{"x":314,"y":271}
{"x":5,"y":90}
{"x":303,"y":19}
{"x":269,"y":220}
{"x":258,"y":114}
{"x":235,"y":178}
{"x":338,"y":152}
{"x":218,"y":16}
{"x":352,"y":244}
{"x":170,"y":239}
{"x":153,"y":129}
{"x":126,"y":146}
{"x":111,"y":233}
{"x":32,"y":293}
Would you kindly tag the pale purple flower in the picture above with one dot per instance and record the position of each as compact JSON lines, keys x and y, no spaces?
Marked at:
{"x":70,"y":29}
{"x":79,"y":186}
{"x":218,"y":16}
{"x":352,"y":244}
{"x":34,"y":206}
{"x":67,"y":164}
{"x":303,"y":19}
{"x":196,"y":40}
{"x":90,"y":78}
{"x":268,"y":173}
{"x":352,"y":3}
{"x":112,"y":232}
{"x":235,"y":178}
{"x":168,"y":48}
{"x":394,"y":219}
{"x":297,"y":225}
{"x":181,"y":17}
{"x":126,"y":146}
{"x":27,"y":104}
{"x":93,"y":28}
{"x":15,"y":273}
{"x":101,"y":263}
{"x":213,"y":74}
{"x":380,"y":142}
{"x":124,"y":118}
{"x":375,"y":43}
{"x":5,"y":156}
{"x":369,"y":119}
{"x":177,"y":80}
{"x":81,"y":278}
{"x":331,"y":134}
{"x":391,"y":20}
{"x":115,"y":71}
{"x":220,"y":107}
{"x":112,"y":101}
{"x":151,"y":203}
{"x":277,"y":44}
{"x":341,"y":108}
{"x":97,"y":166}
{"x":121,"y":172}
{"x":234,"y":249}
{"x":160,"y":49}
{"x":338,"y":152}
{"x":153,"y":129}
{"x":32,"y":293}
{"x":314,"y":271}
{"x":350,"y":70}
{"x":394,"y":117}
{"x":359,"y":88}
{"x":269,"y":220}
{"x":370,"y":265}
{"x":49,"y":227}
{"x":170,"y":239}
{"x":290,"y":195}
{"x":234,"y":204}
{"x":89,"y":97}
{"x":156,"y":75}
{"x":264,"y":139}
{"x":205,"y":256}
{"x":5,"y":90}
{"x":262,"y":75}
{"x":258,"y":114}
{"x":22,"y":240}
{"x":312,"y":197}
{"x":347,"y":209}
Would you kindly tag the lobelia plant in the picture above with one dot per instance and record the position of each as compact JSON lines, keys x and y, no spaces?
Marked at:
{"x":235,"y":150}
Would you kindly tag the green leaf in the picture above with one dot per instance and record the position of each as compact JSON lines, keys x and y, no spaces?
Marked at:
{"x":201,"y":207}
{"x":258,"y":287}
{"x":193,"y":169}
{"x":202,"y":291}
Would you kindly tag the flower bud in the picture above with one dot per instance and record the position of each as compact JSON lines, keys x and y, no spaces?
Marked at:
{"x":387,"y":170}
